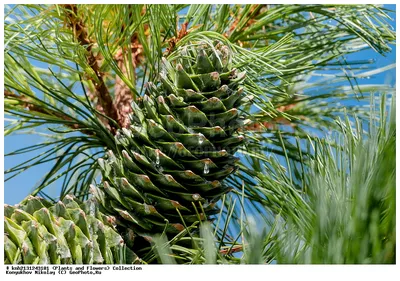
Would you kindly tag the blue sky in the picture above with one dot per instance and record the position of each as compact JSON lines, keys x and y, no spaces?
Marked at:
{"x":19,"y":187}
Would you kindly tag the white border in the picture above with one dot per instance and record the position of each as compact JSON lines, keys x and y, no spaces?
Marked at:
{"x":216,"y":272}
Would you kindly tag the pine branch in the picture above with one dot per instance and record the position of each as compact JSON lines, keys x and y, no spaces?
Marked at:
{"x":105,"y":103}
{"x":26,"y":103}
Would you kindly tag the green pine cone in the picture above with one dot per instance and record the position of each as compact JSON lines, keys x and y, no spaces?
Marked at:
{"x":69,"y":232}
{"x":179,"y":147}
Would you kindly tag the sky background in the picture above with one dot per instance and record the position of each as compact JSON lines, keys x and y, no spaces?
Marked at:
{"x":20,"y":186}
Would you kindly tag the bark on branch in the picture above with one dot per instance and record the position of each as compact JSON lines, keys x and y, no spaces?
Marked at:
{"x":104,"y":99}
{"x":24,"y":101}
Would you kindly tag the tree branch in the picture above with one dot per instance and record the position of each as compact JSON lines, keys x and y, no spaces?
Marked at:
{"x":104,"y":99}
{"x":40,"y":109}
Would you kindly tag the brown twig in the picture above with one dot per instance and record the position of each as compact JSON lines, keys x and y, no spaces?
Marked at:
{"x":24,"y":101}
{"x":234,"y":249}
{"x":104,"y":99}
{"x":273,"y":124}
